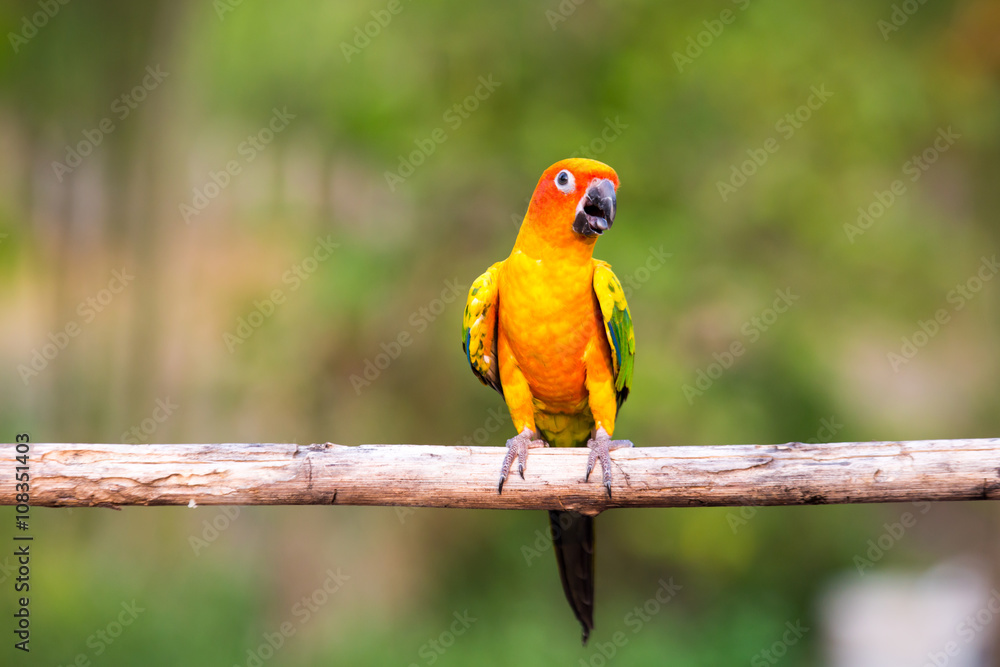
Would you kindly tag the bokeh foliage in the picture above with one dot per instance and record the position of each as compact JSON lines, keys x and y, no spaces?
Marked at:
{"x":567,"y":74}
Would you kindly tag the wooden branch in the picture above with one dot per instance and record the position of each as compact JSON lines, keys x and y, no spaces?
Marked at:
{"x":432,"y":476}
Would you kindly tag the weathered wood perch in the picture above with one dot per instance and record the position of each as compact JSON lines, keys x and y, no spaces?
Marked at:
{"x":431,"y":476}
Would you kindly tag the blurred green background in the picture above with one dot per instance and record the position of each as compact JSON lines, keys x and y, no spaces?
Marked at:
{"x":313,"y":112}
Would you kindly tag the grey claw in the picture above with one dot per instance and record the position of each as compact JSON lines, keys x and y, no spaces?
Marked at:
{"x":591,"y":462}
{"x":517,"y":448}
{"x":606,"y":469}
{"x":508,"y":459}
{"x":600,"y":449}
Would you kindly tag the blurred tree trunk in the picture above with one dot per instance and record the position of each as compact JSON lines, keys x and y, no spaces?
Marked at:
{"x":133,"y":174}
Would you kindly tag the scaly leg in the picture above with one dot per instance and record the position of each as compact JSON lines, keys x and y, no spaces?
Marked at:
{"x":517,"y":395}
{"x":601,"y":446}
{"x":517,"y":447}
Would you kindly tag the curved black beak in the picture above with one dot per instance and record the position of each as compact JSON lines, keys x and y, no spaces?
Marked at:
{"x":596,"y":211}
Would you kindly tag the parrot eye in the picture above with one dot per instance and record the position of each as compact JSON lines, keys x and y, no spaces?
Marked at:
{"x":565,"y":181}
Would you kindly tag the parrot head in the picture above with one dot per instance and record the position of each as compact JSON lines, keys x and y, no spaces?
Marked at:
{"x":574,"y":201}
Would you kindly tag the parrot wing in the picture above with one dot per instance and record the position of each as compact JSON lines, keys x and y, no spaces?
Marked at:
{"x":479,"y":327}
{"x":617,"y":325}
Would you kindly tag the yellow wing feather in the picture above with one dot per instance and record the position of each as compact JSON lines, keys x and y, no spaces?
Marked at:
{"x":617,"y":326}
{"x":479,"y":327}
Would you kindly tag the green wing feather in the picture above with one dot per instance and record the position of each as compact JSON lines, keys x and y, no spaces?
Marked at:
{"x":617,"y":325}
{"x":479,"y":327}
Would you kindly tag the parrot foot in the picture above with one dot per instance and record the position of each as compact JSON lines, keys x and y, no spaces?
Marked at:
{"x":601,"y":446}
{"x":517,"y":447}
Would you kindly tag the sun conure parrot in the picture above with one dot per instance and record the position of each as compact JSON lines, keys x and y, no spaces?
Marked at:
{"x":550,"y":330}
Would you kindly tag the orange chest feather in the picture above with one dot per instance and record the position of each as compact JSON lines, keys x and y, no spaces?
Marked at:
{"x":548,"y":316}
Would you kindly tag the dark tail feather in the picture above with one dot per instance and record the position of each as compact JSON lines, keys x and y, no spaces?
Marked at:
{"x":573,"y":538}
